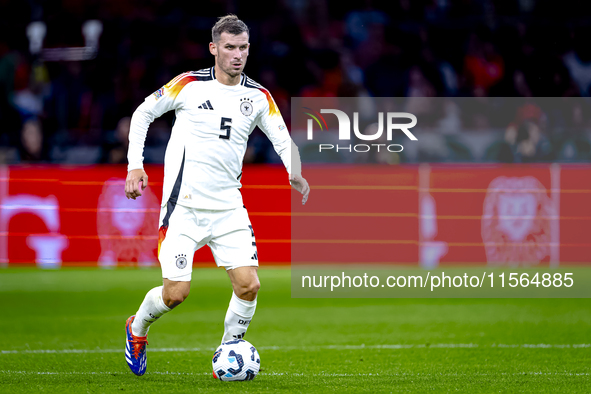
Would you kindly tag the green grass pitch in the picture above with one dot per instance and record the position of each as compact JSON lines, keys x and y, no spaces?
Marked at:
{"x":63,"y":331}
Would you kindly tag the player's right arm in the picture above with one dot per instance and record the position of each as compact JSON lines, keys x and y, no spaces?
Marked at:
{"x":165,"y":99}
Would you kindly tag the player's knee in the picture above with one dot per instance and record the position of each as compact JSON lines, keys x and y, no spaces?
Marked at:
{"x":175,"y":296}
{"x":248,"y":291}
{"x":255,"y":287}
{"x":174,"y":299}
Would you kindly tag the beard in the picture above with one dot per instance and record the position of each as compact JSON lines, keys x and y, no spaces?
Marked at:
{"x":232,"y":72}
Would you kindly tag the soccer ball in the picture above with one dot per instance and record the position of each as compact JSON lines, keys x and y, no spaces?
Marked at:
{"x":236,"y":360}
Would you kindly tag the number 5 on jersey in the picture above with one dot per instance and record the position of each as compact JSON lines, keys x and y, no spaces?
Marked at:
{"x":226,"y":125}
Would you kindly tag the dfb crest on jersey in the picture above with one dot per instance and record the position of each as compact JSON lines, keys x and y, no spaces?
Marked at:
{"x":246,"y":106}
{"x":517,"y":221}
{"x":181,"y":261}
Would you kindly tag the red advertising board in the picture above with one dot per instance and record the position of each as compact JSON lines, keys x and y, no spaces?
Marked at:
{"x":437,"y":215}
{"x":429,"y":215}
{"x":58,"y":215}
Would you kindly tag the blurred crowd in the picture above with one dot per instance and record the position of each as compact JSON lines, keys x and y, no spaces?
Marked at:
{"x":77,"y":110}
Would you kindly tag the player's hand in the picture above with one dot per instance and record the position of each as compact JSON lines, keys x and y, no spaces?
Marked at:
{"x":301,"y":185}
{"x":137,"y":180}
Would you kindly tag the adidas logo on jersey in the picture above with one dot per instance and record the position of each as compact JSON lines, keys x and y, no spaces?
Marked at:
{"x":206,"y":105}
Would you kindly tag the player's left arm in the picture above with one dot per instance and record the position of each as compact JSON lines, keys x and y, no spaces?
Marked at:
{"x":273,"y":125}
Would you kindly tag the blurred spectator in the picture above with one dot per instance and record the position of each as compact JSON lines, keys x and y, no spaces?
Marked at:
{"x":520,"y":84}
{"x":527,"y":142}
{"x":483,"y":66}
{"x":30,"y":97}
{"x":578,"y":62}
{"x":32,"y":147}
{"x":419,"y":85}
{"x":360,"y":23}
{"x":116,"y":142}
{"x":70,"y":100}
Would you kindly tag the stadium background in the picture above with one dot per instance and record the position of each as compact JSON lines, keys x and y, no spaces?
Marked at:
{"x":71,"y":74}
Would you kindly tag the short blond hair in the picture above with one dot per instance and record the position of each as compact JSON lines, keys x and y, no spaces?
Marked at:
{"x":228,"y":24}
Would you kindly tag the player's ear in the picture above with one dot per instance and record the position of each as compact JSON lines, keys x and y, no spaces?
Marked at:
{"x":213,"y":49}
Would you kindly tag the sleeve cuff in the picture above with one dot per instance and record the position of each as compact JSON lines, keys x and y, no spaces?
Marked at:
{"x":135,"y":166}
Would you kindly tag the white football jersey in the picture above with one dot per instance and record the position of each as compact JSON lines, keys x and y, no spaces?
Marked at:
{"x":203,"y":160}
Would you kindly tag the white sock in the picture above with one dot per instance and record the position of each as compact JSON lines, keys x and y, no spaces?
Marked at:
{"x":151,"y":309}
{"x":238,"y":317}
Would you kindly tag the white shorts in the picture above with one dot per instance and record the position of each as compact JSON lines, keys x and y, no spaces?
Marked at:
{"x":228,"y":234}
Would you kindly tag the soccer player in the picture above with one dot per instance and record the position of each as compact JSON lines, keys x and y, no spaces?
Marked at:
{"x":216,"y":110}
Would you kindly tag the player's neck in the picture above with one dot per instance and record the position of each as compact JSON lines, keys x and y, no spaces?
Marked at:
{"x":226,"y":79}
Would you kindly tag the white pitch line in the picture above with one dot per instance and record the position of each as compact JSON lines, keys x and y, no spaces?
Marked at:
{"x":95,"y":373}
{"x":312,"y":348}
{"x":321,"y":374}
